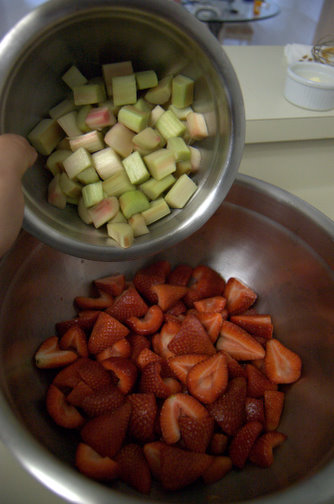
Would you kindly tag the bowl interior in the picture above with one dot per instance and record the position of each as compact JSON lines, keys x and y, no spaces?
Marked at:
{"x":272,"y":242}
{"x":156,"y":35}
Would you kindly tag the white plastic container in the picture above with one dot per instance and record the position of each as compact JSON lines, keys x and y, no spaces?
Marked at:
{"x":310,"y":85}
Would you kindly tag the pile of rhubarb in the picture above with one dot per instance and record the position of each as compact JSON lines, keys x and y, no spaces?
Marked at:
{"x":172,"y":376}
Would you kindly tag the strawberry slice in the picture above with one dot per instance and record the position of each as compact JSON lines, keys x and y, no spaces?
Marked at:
{"x":94,"y":374}
{"x":180,"y":468}
{"x":177,"y":309}
{"x":124,"y":370}
{"x":212,"y":322}
{"x":138,"y":343}
{"x":181,"y":365}
{"x":75,"y":338}
{"x":217,"y":470}
{"x":91,"y":464}
{"x":104,"y":300}
{"x":234,"y":367}
{"x":238,"y":343}
{"x":218,"y":443}
{"x":191,"y":338}
{"x":78,"y":393}
{"x":120,"y":348}
{"x":180,"y":275}
{"x":143,"y":416}
{"x":151,"y":381}
{"x":257,"y":382}
{"x":133,"y":468}
{"x":206,"y":282}
{"x":149,"y":324}
{"x":145,"y":278}
{"x":146,"y":356}
{"x":243,"y":442}
{"x":152,"y":453}
{"x":168,"y":295}
{"x":128,"y":304}
{"x":239,"y":296}
{"x":160,"y":341}
{"x":85,"y":319}
{"x":69,"y":377}
{"x":104,"y":400}
{"x":173,"y":408}
{"x":106,"y":331}
{"x":106,"y":433}
{"x":261,"y":453}
{"x":62,"y":413}
{"x":208,"y":379}
{"x":196,"y":433}
{"x":257,"y":325}
{"x":229,"y":409}
{"x":211,"y":304}
{"x":254,"y":409}
{"x":282,"y":365}
{"x":114,"y":284}
{"x":50,"y":355}
{"x":273,"y":408}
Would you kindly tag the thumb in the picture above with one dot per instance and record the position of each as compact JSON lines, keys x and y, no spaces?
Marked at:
{"x":16,"y":154}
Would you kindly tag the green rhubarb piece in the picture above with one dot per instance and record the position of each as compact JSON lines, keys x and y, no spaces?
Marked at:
{"x":88,"y":176}
{"x":81,"y":118}
{"x":136,"y":168}
{"x":64,"y":144}
{"x":148,"y":139}
{"x":195,"y":158}
{"x":133,"y":118}
{"x":143,"y":105}
{"x":89,"y":94}
{"x":138,"y":224}
{"x":73,"y":200}
{"x":182,"y":91}
{"x":183,"y":167}
{"x":45,"y":136}
{"x":111,"y":70}
{"x":56,"y":196}
{"x":161,"y":93}
{"x":92,"y":141}
{"x":117,"y":184}
{"x":103,"y":211}
{"x":157,"y":210}
{"x":146,"y":79}
{"x":121,"y":232}
{"x":119,"y":138}
{"x":107,"y":162}
{"x":92,"y":194}
{"x":70,"y":188}
{"x":181,"y":113}
{"x":132,"y":202}
{"x":160,"y":163}
{"x":124,"y":89}
{"x":83,"y":212}
{"x":77,"y":162}
{"x":196,"y":126}
{"x":179,"y":148}
{"x":73,"y":77}
{"x":156,"y":112}
{"x":119,"y":217}
{"x":68,"y":123}
{"x":54,"y":162}
{"x":62,"y":108}
{"x":169,"y":125}
{"x":181,"y":192}
{"x":154,"y":188}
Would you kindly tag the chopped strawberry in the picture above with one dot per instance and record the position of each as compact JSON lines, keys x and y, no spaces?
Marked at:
{"x":257,"y":382}
{"x":104,"y":400}
{"x":61,"y":412}
{"x":106,"y":331}
{"x":261,"y":453}
{"x":173,"y":408}
{"x":212,"y":322}
{"x":196,"y":433}
{"x":177,"y":309}
{"x":191,"y":338}
{"x":104,"y":300}
{"x":229,"y":409}
{"x":133,"y":467}
{"x":85,"y":319}
{"x":218,"y":443}
{"x":152,"y":453}
{"x":91,"y":464}
{"x":151,"y":381}
{"x":239,"y":296}
{"x":120,"y":348}
{"x":282,"y":365}
{"x":211,"y":304}
{"x":160,"y":341}
{"x":50,"y":355}
{"x":78,"y":393}
{"x":257,"y":325}
{"x":206,"y":283}
{"x":217,"y":470}
{"x":69,"y":377}
{"x":146,"y":356}
{"x":138,"y":343}
{"x":145,"y":278}
{"x":181,"y":364}
{"x":128,"y":304}
{"x":243,"y":442}
{"x":254,"y":409}
{"x":168,"y":295}
{"x":106,"y":433}
{"x":143,"y":416}
{"x":180,"y":468}
{"x":234,"y":367}
{"x":208,"y":379}
{"x":273,"y":408}
{"x":114,"y":284}
{"x":180,"y":275}
{"x":149,"y":324}
{"x":74,"y":338}
{"x":238,"y":343}
{"x":124,"y":370}
{"x":94,"y":374}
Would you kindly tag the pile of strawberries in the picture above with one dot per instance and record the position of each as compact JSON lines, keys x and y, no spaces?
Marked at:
{"x":172,"y":376}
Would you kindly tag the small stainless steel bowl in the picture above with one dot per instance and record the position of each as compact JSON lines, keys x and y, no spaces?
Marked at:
{"x":155,"y":34}
{"x":273,"y":241}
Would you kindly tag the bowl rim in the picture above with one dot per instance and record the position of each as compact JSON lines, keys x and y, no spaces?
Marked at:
{"x":317,"y":68}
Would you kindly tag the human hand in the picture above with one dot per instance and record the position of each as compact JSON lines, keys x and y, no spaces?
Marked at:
{"x":16,"y":156}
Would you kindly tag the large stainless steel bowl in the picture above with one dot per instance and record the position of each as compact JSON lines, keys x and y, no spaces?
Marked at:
{"x":157,"y":34}
{"x":273,"y":241}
